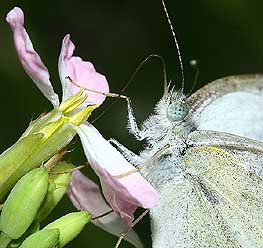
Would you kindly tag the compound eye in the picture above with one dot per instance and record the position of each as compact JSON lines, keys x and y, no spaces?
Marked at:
{"x":177,"y":111}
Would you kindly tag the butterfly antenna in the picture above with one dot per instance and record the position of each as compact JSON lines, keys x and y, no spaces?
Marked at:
{"x":139,"y":66}
{"x":194,"y":65}
{"x":176,"y":43}
{"x":137,"y":69}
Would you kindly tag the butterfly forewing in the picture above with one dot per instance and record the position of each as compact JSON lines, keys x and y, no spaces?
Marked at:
{"x":191,"y":222}
{"x":216,"y":203}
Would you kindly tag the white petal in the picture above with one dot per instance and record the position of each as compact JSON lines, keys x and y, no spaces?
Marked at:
{"x":123,"y":194}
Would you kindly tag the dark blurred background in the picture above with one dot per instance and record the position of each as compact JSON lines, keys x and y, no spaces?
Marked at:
{"x":225,"y":37}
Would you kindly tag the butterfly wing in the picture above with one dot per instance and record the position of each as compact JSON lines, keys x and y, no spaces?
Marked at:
{"x":232,"y":104}
{"x":249,"y":151}
{"x":214,"y":202}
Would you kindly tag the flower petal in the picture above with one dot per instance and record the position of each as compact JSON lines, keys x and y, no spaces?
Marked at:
{"x":30,"y":60}
{"x":123,"y":194}
{"x":86,"y":195}
{"x":82,"y":72}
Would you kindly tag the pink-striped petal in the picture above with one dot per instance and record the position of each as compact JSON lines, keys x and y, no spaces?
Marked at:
{"x":123,"y":194}
{"x":30,"y":60}
{"x":86,"y":195}
{"x":81,"y":72}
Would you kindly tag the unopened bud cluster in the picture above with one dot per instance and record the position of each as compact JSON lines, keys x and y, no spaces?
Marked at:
{"x":32,"y":198}
{"x":35,"y":189}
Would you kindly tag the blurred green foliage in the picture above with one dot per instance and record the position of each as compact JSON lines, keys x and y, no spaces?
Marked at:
{"x":224,"y":36}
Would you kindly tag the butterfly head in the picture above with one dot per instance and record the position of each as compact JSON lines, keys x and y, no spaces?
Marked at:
{"x":177,"y":109}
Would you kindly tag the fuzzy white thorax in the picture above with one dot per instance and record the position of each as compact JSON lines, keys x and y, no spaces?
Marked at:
{"x":159,"y":131}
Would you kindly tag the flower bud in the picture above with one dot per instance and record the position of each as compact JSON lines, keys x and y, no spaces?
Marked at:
{"x":46,"y":238}
{"x":4,"y":240}
{"x":34,"y":227}
{"x":47,"y":203}
{"x":23,"y":202}
{"x":12,"y":161}
{"x":58,"y":185}
{"x":43,"y":138}
{"x":69,"y":226}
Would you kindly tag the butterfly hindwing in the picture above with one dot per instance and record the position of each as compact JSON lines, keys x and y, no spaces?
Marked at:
{"x":231,"y":104}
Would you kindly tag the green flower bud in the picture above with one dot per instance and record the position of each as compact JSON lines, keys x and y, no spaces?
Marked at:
{"x":12,"y":161}
{"x":43,"y":138}
{"x":23,"y":202}
{"x":58,"y":185}
{"x":4,"y":240}
{"x":32,"y":229}
{"x":48,"y":201}
{"x":32,"y":149}
{"x":47,"y":238}
{"x":70,"y":226}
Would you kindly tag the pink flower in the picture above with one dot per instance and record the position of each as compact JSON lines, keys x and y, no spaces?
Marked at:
{"x":124,"y":194}
{"x":86,"y":195}
{"x":80,"y":71}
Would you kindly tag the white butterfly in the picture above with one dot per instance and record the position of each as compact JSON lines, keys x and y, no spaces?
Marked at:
{"x":205,"y":158}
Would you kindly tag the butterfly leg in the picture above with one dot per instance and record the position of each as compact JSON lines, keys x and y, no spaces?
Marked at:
{"x":55,"y":159}
{"x":133,"y":224}
{"x":128,"y":154}
{"x":67,"y":171}
{"x":132,"y":124}
{"x":147,"y":162}
{"x":102,"y":215}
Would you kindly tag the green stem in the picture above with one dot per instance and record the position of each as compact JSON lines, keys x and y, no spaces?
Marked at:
{"x":4,"y":240}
